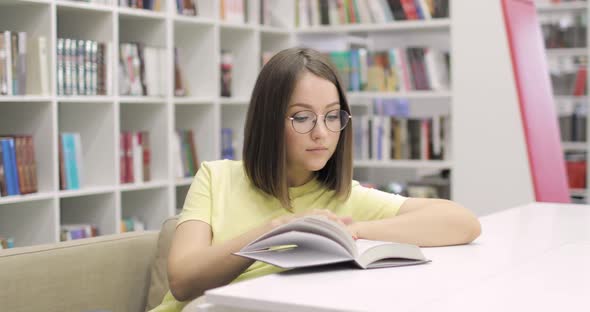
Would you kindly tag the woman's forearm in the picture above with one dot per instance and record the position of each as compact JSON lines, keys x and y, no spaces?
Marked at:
{"x":438,"y":223}
{"x":201,"y":269}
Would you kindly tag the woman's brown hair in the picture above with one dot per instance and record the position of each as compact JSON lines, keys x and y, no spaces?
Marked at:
{"x":264,"y":153}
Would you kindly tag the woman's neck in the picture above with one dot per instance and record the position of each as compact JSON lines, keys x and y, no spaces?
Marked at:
{"x":294,"y":180}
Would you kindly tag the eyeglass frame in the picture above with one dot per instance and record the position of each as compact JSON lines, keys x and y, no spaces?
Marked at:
{"x":292,"y":118}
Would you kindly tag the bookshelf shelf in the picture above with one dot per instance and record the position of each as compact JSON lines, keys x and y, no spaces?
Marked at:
{"x":77,"y":6}
{"x":195,"y":100}
{"x":193,"y":20}
{"x":434,"y":24}
{"x":574,"y":146}
{"x":144,"y":185}
{"x":140,"y":14}
{"x":412,"y":164}
{"x":85,"y":99}
{"x":234,"y":101}
{"x":561,"y":7}
{"x":24,"y":98}
{"x":25,"y":198}
{"x":578,"y":192}
{"x":273,"y":30}
{"x":184,"y":182}
{"x":141,"y":100}
{"x":87,"y":191}
{"x":235,"y":26}
{"x":567,"y":52}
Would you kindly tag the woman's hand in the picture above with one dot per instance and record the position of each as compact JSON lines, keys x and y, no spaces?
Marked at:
{"x":344,"y":221}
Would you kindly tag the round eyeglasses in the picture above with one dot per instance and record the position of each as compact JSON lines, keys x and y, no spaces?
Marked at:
{"x":305,"y":121}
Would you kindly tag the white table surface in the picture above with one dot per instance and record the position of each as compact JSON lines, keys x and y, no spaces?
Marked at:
{"x":534,"y":257}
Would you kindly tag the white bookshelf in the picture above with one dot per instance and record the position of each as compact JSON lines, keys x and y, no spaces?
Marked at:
{"x":103,"y":200}
{"x":562,"y":101}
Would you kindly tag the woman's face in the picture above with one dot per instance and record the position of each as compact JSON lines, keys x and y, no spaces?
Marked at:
{"x":309,"y":152}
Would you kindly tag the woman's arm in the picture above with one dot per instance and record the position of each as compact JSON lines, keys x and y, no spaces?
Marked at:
{"x":194,"y":265}
{"x":423,"y":222}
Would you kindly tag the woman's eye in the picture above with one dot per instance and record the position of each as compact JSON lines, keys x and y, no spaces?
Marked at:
{"x":300,"y":118}
{"x":332,"y":117}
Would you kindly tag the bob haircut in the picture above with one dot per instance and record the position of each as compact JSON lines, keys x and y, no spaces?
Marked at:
{"x":264,"y":152}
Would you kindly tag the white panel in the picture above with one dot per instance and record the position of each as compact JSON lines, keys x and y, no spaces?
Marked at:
{"x":491,"y":169}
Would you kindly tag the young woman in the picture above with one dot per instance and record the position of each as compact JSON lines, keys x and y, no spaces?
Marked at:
{"x":297,"y":160}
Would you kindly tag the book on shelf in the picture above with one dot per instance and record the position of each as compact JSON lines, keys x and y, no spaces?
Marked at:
{"x":227,"y":143}
{"x":185,"y":154}
{"x":71,"y":163}
{"x":179,"y":85}
{"x":132,"y":224}
{"x":576,"y":167}
{"x":568,"y":75}
{"x":315,"y":240}
{"x":18,"y":168}
{"x":234,"y":11}
{"x":6,"y":242}
{"x":187,"y":7}
{"x":397,"y":69}
{"x":141,"y":70}
{"x":105,"y":2}
{"x":312,"y":13}
{"x":135,"y":157}
{"x":77,"y":231}
{"x":572,"y":120}
{"x":226,"y":73}
{"x":15,"y":62}
{"x":564,"y":30}
{"x":82,"y":67}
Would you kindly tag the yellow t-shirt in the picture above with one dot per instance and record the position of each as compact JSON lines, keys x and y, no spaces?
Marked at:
{"x":223,"y":196}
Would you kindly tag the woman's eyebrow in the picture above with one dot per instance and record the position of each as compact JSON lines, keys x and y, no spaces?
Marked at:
{"x":309,"y":106}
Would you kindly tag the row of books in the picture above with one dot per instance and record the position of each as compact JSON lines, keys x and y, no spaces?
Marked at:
{"x":398,"y":69}
{"x":135,"y":157}
{"x":428,"y":186}
{"x":71,"y":167}
{"x":24,"y":63}
{"x":564,"y":30}
{"x":186,"y":159}
{"x":82,"y":67}
{"x":227,"y":63}
{"x":6,"y":242}
{"x":573,"y":121}
{"x":18,"y":167}
{"x":576,"y":167}
{"x":389,"y":132}
{"x":142,"y":70}
{"x":382,"y":137}
{"x":568,"y":75}
{"x":132,"y":224}
{"x":70,"y":232}
{"x":338,"y":12}
{"x":153,"y":5}
{"x":234,"y":11}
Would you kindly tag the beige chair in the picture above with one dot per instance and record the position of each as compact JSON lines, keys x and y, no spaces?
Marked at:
{"x":122,"y":272}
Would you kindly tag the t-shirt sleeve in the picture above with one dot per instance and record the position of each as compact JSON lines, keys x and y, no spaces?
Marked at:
{"x":197,"y":205}
{"x":372,"y":204}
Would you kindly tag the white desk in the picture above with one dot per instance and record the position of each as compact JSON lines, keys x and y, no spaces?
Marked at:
{"x":530,"y":258}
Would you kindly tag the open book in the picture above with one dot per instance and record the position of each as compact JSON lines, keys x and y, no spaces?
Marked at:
{"x":316,"y":240}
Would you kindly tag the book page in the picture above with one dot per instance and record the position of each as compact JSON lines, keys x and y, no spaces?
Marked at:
{"x":374,"y":254}
{"x":317,"y":225}
{"x":300,"y":249}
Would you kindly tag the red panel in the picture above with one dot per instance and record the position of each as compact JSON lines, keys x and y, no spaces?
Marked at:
{"x":536,"y":101}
